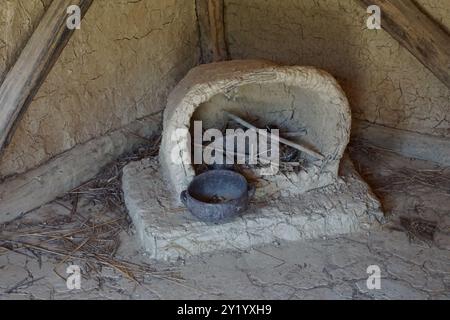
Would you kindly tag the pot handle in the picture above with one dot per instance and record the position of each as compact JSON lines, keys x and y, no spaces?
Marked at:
{"x":183,"y":197}
{"x":251,"y":191}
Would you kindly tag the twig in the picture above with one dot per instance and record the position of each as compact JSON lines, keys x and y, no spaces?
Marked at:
{"x":23,"y":283}
{"x":279,"y":139}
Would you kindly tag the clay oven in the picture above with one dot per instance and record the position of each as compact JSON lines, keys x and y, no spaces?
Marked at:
{"x":324,"y":196}
{"x":297,"y":99}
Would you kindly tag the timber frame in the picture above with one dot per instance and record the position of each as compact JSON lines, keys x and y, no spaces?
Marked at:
{"x":402,"y":19}
{"x":34,"y":64}
{"x":416,"y":31}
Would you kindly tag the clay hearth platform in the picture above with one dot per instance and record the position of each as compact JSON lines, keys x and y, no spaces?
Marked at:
{"x":168,"y":232}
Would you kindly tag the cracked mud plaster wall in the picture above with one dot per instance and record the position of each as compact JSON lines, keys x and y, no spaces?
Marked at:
{"x":18,"y":19}
{"x":119,"y":67}
{"x":384,"y":82}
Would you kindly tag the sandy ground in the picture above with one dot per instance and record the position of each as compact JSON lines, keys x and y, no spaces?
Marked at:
{"x":413,"y":265}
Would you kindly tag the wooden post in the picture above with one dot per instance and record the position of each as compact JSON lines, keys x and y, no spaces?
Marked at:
{"x":34,"y":63}
{"x":418,"y":33}
{"x":210,"y":15}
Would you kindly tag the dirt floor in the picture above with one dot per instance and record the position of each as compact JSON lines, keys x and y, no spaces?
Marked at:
{"x":412,"y":251}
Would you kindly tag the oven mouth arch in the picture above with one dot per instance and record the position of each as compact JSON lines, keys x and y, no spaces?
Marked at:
{"x":205,"y":83}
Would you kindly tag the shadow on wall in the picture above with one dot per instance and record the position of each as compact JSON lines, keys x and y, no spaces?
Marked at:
{"x":383,"y":81}
{"x":303,"y":33}
{"x":119,"y":67}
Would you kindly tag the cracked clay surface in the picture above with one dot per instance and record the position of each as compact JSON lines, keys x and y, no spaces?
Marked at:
{"x":318,"y":269}
{"x":119,"y":67}
{"x":385,"y":84}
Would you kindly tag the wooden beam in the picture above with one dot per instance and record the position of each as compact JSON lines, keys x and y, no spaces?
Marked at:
{"x":32,"y":189}
{"x":33,"y":65}
{"x":217,"y":25}
{"x":417,"y":32}
{"x":406,"y":143}
{"x":210,"y":16}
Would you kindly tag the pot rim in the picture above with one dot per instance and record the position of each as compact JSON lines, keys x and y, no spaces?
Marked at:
{"x":219,"y":172}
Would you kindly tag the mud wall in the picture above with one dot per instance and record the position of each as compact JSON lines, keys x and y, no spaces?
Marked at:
{"x":385,"y":83}
{"x":129,"y":54}
{"x":119,"y":67}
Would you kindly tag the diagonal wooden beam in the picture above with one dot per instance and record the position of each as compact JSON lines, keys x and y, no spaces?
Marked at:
{"x":34,"y":63}
{"x":418,"y":33}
